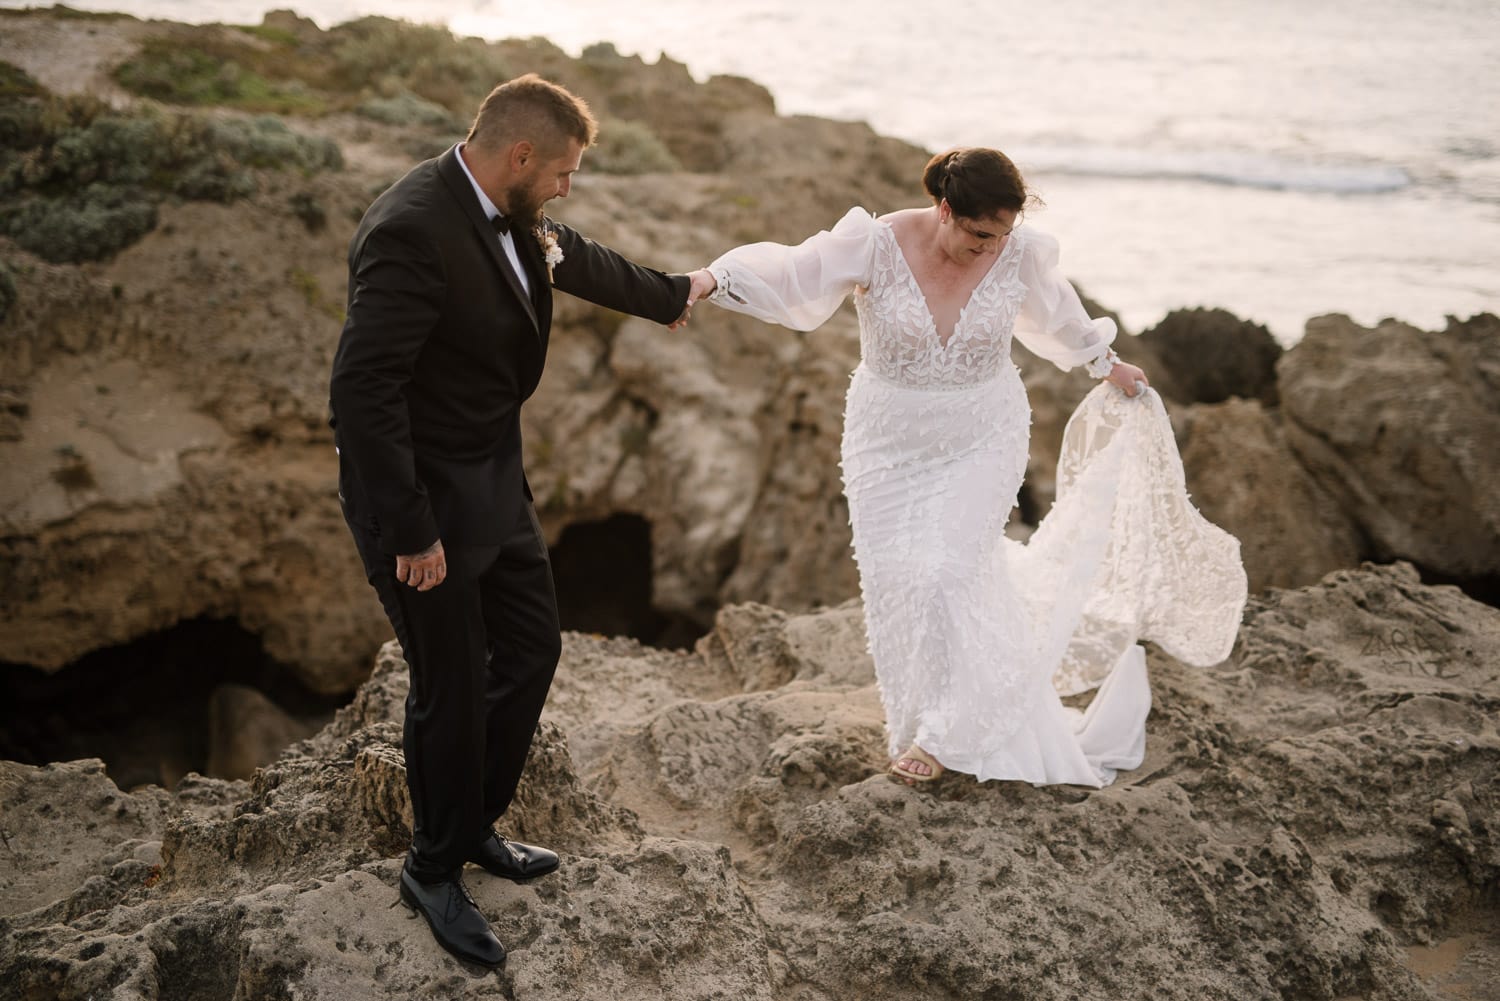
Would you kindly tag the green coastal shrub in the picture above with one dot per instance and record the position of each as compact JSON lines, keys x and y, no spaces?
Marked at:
{"x":80,"y":181}
{"x":16,"y":82}
{"x":89,"y":225}
{"x":209,"y":70}
{"x":381,"y":55}
{"x":407,"y":108}
{"x":305,"y":206}
{"x":7,"y":291}
{"x":392,"y":71}
{"x":111,"y":149}
{"x":627,"y":147}
{"x":266,"y":141}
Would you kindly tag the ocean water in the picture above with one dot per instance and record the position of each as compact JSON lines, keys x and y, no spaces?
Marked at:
{"x":1277,"y":158}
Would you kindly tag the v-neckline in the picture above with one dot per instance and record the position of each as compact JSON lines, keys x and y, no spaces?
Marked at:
{"x":916,"y":285}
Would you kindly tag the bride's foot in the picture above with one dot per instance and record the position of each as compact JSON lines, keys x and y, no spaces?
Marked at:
{"x":916,"y":765}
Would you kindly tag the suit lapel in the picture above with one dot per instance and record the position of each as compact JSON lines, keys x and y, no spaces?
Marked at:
{"x":458,"y":184}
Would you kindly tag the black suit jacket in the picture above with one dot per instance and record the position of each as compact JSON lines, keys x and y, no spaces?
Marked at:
{"x":440,"y":349}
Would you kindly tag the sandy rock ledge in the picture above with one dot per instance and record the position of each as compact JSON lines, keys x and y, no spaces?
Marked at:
{"x":1316,"y":818}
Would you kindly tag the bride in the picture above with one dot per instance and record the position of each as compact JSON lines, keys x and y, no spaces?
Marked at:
{"x":976,"y":637}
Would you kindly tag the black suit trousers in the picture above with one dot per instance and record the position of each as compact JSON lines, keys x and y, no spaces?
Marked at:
{"x":481,"y":649}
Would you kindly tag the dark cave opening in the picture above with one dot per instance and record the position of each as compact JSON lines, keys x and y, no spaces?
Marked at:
{"x":144,"y":707}
{"x":603,"y":574}
{"x":1485,"y":590}
{"x":147,"y":707}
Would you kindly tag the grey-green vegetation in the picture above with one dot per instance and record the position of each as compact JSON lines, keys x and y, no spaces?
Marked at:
{"x":81,"y":181}
{"x":409,"y":76}
{"x":383,"y":67}
{"x":627,"y":147}
{"x":7,"y":290}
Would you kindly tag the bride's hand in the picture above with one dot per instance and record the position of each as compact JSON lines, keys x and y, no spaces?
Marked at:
{"x":701,"y":284}
{"x":1125,"y":376}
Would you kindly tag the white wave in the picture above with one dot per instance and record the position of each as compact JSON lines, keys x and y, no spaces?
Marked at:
{"x":1247,"y":170}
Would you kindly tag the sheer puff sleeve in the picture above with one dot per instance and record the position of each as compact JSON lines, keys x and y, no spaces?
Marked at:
{"x":802,"y":286}
{"x":1053,"y":323}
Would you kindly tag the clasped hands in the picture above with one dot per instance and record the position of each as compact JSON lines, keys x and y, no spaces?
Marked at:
{"x":702,"y":286}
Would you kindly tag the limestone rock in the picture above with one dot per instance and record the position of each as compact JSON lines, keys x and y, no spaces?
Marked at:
{"x":247,"y":730}
{"x":1306,"y":811}
{"x":765,"y":647}
{"x":64,"y":824}
{"x":1246,"y":479}
{"x":795,"y":550}
{"x":1297,"y":901}
{"x":126,"y":451}
{"x":1210,"y":355}
{"x":1399,"y":426}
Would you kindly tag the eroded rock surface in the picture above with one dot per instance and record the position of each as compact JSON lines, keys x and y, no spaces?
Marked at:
{"x":1312,"y":815}
{"x":1316,"y":817}
{"x":1245,"y":478}
{"x":162,"y":413}
{"x":1400,"y":426}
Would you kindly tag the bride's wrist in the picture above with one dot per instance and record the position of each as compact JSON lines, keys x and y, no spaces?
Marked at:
{"x":1101,"y":367}
{"x":723,"y":285}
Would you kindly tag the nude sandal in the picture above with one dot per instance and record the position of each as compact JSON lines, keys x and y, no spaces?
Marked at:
{"x":915,"y":753}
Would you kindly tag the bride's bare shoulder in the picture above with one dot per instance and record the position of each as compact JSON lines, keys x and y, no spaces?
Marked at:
{"x":906,"y":221}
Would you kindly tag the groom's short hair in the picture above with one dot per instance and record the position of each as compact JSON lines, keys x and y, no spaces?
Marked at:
{"x":535,"y":110}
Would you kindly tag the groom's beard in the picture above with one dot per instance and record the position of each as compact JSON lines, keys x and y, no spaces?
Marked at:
{"x":525,"y":211}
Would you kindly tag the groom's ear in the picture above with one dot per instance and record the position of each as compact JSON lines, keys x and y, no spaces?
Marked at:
{"x":520,"y":154}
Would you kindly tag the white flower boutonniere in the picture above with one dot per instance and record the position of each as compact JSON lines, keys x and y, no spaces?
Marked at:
{"x":551,"y":252}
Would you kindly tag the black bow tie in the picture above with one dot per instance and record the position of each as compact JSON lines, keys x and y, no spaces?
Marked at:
{"x":501,"y":222}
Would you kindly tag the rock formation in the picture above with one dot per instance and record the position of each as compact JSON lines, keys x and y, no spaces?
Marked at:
{"x":163,"y":425}
{"x":162,"y":411}
{"x":1210,"y":355}
{"x":1400,"y":426}
{"x":1316,"y":817}
{"x":1246,"y":479}
{"x":1312,"y":815}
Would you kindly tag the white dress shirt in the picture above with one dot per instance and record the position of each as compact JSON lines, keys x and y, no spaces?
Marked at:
{"x":507,"y":239}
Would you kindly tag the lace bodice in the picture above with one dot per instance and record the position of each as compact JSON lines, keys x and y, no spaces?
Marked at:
{"x":1022,"y":294}
{"x":899,"y":340}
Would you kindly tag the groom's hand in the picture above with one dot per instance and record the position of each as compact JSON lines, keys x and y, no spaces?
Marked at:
{"x":425,"y":570}
{"x":703,"y":284}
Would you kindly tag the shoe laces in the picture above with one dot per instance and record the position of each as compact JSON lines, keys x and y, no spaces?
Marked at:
{"x":459,"y":888}
{"x":506,"y":846}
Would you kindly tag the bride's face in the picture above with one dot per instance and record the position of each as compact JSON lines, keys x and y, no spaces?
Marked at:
{"x":967,"y":239}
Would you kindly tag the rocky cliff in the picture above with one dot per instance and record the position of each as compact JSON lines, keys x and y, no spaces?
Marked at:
{"x":1315,"y":819}
{"x":163,"y":429}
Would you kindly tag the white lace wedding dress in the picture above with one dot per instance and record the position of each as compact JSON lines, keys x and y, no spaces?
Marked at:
{"x":975,"y":636}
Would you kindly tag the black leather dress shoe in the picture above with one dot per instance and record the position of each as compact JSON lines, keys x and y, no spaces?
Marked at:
{"x":454,"y":919}
{"x":513,"y":860}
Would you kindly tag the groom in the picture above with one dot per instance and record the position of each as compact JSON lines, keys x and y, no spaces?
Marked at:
{"x":450,"y":305}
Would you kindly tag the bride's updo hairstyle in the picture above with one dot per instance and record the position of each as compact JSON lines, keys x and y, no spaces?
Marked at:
{"x":977,"y":182}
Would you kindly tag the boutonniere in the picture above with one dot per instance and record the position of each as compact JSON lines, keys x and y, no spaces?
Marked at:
{"x":551,"y":252}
